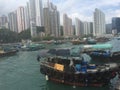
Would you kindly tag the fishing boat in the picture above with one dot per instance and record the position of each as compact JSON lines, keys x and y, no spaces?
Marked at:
{"x":102,"y":40}
{"x":91,"y":41}
{"x":84,"y":41}
{"x":32,"y":47}
{"x":101,"y":51}
{"x":77,"y":42}
{"x":76,"y":71}
{"x":58,"y":42}
{"x":7,"y":52}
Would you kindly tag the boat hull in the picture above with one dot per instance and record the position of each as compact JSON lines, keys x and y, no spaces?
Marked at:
{"x":112,"y":57}
{"x":9,"y":53}
{"x":84,"y":79}
{"x":75,"y":83}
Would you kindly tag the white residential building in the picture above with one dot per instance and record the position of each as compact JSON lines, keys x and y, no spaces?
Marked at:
{"x":27,"y":15}
{"x":20,"y":19}
{"x":51,"y":20}
{"x":67,"y":26}
{"x":86,"y":26}
{"x":99,"y":23}
{"x":12,"y":16}
{"x":78,"y":27}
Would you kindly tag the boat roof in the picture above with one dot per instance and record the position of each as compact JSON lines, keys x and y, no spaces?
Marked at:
{"x":98,"y":46}
{"x":59,"y":52}
{"x":72,"y":51}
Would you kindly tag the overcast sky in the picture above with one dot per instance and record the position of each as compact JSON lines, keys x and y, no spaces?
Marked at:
{"x":82,"y":9}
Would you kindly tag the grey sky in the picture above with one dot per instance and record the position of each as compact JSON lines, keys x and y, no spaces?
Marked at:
{"x":7,"y":6}
{"x":82,"y":9}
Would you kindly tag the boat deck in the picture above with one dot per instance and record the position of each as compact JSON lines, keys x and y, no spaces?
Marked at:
{"x":117,"y":86}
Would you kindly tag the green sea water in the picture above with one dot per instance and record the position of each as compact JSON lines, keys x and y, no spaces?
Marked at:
{"x":22,"y":72}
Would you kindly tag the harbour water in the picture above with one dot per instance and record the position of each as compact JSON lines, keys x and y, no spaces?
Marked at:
{"x":22,"y":72}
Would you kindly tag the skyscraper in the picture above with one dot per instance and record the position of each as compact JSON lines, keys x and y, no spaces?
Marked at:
{"x":12,"y":16}
{"x":39,"y":13}
{"x":32,"y":11}
{"x":91,"y":28}
{"x":47,"y":26}
{"x":67,"y":26}
{"x":70,"y":28}
{"x":27,"y":15}
{"x":78,"y":27}
{"x":3,"y":22}
{"x":99,"y":23}
{"x":51,"y":20}
{"x":32,"y":18}
{"x":116,"y":24}
{"x":109,"y":28}
{"x":36,"y":14}
{"x":20,"y":19}
{"x":86,"y":28}
{"x":54,"y":20}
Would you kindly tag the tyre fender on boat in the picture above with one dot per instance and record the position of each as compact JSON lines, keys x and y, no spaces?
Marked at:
{"x":46,"y":77}
{"x":38,"y":58}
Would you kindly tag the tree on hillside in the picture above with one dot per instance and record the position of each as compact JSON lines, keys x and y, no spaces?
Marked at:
{"x":7,"y":36}
{"x":25,"y":34}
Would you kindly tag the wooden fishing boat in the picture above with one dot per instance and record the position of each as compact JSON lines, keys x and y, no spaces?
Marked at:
{"x":77,"y":42}
{"x":81,"y":74}
{"x":101,"y":52}
{"x":6,"y":52}
{"x":76,"y":72}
